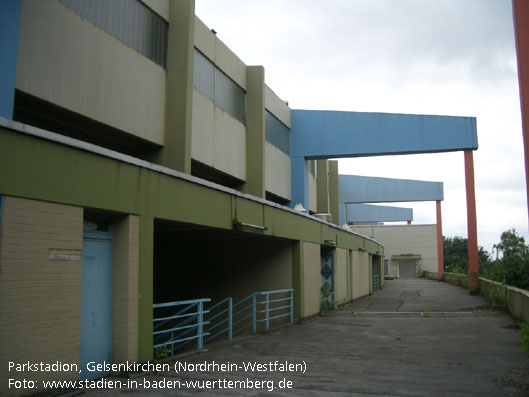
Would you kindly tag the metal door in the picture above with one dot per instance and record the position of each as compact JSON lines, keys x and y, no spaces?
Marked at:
{"x":407,"y":269}
{"x":96,"y":302}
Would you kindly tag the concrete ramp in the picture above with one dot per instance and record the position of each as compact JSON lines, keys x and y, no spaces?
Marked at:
{"x":340,"y":354}
{"x":418,"y":295}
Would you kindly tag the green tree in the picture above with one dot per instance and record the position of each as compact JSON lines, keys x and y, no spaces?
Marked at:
{"x":511,"y":245}
{"x":512,"y":261}
{"x":455,"y":251}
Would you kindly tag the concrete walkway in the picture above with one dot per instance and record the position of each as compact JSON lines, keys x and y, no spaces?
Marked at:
{"x":414,"y":338}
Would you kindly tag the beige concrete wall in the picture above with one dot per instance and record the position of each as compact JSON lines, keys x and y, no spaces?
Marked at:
{"x":361,"y":271}
{"x":219,"y":53}
{"x":40,"y":286}
{"x":277,"y":171}
{"x":405,"y":239}
{"x":125,"y":267}
{"x":218,"y":139}
{"x":161,"y":7}
{"x":67,"y":61}
{"x":254,"y":265}
{"x":277,"y":106}
{"x":267,"y":268}
{"x":312,"y":278}
{"x":258,"y":266}
{"x":340,"y":276}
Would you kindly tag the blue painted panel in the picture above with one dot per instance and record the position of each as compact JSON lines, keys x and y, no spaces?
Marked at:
{"x":363,"y":189}
{"x":9,"y":22}
{"x":277,"y":133}
{"x":377,"y":213}
{"x":332,"y":134}
{"x":96,"y":305}
{"x":300,"y":182}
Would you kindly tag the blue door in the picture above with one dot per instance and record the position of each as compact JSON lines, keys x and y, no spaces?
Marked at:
{"x":96,"y":302}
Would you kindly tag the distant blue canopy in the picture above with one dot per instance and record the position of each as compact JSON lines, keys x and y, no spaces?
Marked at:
{"x":357,"y":213}
{"x":354,"y":190}
{"x":367,"y":189}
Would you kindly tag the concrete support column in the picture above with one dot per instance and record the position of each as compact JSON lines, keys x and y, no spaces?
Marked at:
{"x":125,"y":264}
{"x":473,"y":269}
{"x":9,"y":22}
{"x":300,"y":182}
{"x":176,"y":152}
{"x":370,"y":261}
{"x":145,"y":288}
{"x":333,"y":192}
{"x":298,"y":263}
{"x":322,"y":187}
{"x":520,"y":10}
{"x":255,"y":131}
{"x":440,"y":248}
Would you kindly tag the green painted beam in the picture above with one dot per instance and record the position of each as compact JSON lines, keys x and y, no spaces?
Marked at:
{"x":176,"y":152}
{"x":93,"y":181}
{"x":255,"y":131}
{"x":333,"y":192}
{"x":322,"y":187}
{"x":298,"y":264}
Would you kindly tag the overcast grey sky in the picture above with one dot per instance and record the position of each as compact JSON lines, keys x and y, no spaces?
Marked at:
{"x":446,"y":57}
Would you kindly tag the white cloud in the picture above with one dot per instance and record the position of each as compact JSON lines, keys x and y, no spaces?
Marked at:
{"x":447,"y":57}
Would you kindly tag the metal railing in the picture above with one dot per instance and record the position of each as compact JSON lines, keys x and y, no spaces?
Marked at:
{"x":259,"y":307}
{"x":171,"y":329}
{"x":216,"y":320}
{"x":268,"y":310}
{"x":222,"y":320}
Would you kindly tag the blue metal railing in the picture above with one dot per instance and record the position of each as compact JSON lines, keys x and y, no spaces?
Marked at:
{"x":217,"y":319}
{"x":244,"y":313}
{"x":171,"y":331}
{"x":267,"y":310}
{"x":249,"y":311}
{"x":224,"y":319}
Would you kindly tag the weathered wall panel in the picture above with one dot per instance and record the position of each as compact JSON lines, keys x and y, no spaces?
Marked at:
{"x":218,"y":140}
{"x":340,"y":276}
{"x":98,"y":79}
{"x":278,"y":174}
{"x":277,"y":106}
{"x":125,"y":277}
{"x":361,"y":271}
{"x":312,"y":278}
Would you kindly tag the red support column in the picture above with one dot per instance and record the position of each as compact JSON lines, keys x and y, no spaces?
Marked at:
{"x":520,"y":9}
{"x":473,"y":269}
{"x":440,"y":251}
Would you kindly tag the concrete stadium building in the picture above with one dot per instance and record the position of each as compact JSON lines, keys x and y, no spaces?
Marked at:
{"x":142,"y":162}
